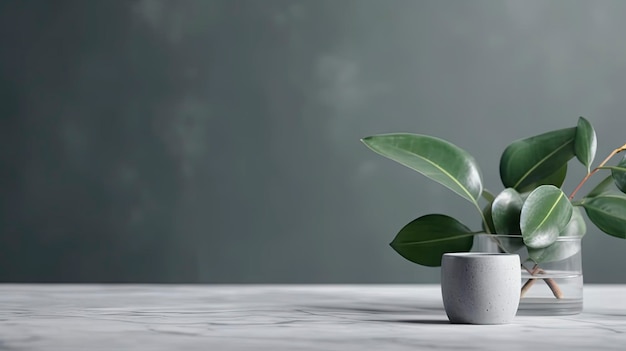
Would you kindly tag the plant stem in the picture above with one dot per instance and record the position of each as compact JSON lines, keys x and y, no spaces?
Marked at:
{"x":556,"y":290}
{"x":589,"y":174}
{"x":552,"y":284}
{"x":530,"y":282}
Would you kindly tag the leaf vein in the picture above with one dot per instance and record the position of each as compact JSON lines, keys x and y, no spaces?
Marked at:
{"x":465,"y":190}
{"x":551,"y":210}
{"x":543,"y":160}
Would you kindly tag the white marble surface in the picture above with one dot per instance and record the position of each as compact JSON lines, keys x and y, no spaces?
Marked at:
{"x":283,"y":317}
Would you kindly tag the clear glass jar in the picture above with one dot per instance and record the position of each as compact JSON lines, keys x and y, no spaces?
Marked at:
{"x":552,"y":278}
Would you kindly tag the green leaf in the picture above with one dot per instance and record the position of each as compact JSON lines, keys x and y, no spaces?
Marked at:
{"x":585,"y":143}
{"x":435,"y":158}
{"x":533,"y":161}
{"x":619,"y":175}
{"x":557,"y":251}
{"x":426,"y":239}
{"x":607,"y":212}
{"x":545,"y":214}
{"x":506,"y":210}
{"x":576,"y":226}
{"x":557,"y":178}
{"x":564,"y":248}
{"x":603,"y":187}
{"x":511,"y":243}
{"x":488,"y":227}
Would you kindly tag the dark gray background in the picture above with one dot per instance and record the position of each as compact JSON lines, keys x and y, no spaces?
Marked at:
{"x":218,"y":141}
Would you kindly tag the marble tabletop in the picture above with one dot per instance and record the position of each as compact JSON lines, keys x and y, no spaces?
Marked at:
{"x":284,"y":317}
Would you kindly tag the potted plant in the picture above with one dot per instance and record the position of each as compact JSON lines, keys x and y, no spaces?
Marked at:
{"x":532,"y":216}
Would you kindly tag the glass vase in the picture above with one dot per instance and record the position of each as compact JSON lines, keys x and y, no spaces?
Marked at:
{"x":552,"y":277}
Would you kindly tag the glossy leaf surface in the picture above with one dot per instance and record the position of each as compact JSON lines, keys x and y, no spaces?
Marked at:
{"x":506,"y":210}
{"x":585,"y":143}
{"x":560,"y":250}
{"x":426,"y":239}
{"x":511,"y":243}
{"x":435,"y":158}
{"x":619,"y":175}
{"x":556,"y":251}
{"x":607,"y":212}
{"x":546,"y":212}
{"x":557,"y":178}
{"x":533,"y":161}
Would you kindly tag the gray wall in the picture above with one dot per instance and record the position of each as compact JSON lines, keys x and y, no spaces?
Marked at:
{"x":218,"y":141}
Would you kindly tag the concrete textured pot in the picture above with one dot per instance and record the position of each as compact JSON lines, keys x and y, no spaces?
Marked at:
{"x":480,"y":288}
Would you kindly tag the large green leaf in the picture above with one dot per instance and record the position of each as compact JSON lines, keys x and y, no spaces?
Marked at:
{"x":557,"y":178}
{"x":506,"y":210}
{"x":427,"y":238}
{"x":619,"y":175}
{"x":567,"y":246}
{"x":435,"y":158}
{"x":607,"y":212}
{"x":545,"y":214}
{"x":586,"y":143}
{"x":533,"y":161}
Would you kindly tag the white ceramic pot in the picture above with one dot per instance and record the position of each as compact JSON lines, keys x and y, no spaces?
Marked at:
{"x":480,"y":288}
